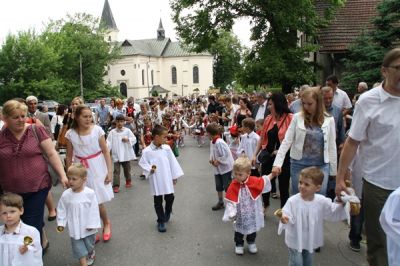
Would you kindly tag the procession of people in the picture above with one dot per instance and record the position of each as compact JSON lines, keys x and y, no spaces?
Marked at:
{"x":322,"y":156}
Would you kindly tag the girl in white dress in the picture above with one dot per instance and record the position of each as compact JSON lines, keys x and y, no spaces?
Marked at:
{"x":86,"y":144}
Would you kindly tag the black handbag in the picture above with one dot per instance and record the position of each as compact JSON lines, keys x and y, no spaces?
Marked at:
{"x":263,"y":156}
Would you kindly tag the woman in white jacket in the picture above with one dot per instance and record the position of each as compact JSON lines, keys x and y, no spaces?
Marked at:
{"x":311,"y":138}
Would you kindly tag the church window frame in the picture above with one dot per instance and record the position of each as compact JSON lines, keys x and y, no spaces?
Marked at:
{"x":196,"y":74}
{"x":174,"y":76}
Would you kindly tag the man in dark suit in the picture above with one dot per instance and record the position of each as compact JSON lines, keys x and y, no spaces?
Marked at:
{"x":260,"y":110}
{"x":33,"y":112}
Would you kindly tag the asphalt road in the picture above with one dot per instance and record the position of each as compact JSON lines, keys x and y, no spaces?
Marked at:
{"x":195,"y":235}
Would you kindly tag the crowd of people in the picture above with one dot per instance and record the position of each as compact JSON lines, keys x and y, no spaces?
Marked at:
{"x":256,"y":139}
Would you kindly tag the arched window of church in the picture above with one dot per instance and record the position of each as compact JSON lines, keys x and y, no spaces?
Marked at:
{"x":152,"y":77}
{"x":142,"y":76}
{"x":195,"y":74}
{"x":173,"y":75}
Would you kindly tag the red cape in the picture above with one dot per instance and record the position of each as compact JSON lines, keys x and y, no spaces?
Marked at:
{"x":254,"y":185}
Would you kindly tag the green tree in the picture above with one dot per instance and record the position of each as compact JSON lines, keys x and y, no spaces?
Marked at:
{"x":227,"y":55}
{"x":79,"y":38}
{"x":275,"y":25}
{"x":28,"y":66}
{"x":365,"y":55}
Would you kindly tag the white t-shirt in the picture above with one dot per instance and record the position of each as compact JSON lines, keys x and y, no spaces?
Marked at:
{"x":376,"y":125}
{"x":341,"y":99}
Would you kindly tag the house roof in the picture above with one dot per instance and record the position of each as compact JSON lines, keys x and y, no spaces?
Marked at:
{"x":107,"y":18}
{"x":347,"y":24}
{"x":155,"y":48}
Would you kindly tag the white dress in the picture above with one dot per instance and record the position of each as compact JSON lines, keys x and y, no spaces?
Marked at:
{"x":85,"y":146}
{"x":167,"y":169}
{"x":121,"y":151}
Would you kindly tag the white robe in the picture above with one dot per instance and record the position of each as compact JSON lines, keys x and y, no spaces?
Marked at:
{"x":390,"y":222}
{"x":305,"y":229}
{"x":10,"y":243}
{"x":121,"y":151}
{"x":168,"y":168}
{"x":248,"y":145}
{"x":80,"y":211}
{"x":248,"y":213}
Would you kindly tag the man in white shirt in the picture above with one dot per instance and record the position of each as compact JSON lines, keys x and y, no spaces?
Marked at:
{"x":375,"y":131}
{"x":340,"y":98}
{"x":260,"y":110}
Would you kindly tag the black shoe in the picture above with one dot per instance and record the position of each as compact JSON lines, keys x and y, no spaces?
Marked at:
{"x":355,"y":246}
{"x":44,"y":250}
{"x":317,"y":250}
{"x":167,"y":216}
{"x":218,"y":206}
{"x":51,"y":218}
{"x":161,"y":228}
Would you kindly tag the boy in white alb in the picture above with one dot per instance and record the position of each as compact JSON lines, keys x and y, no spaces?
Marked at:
{"x":78,"y":208}
{"x":248,"y":142}
{"x":303,"y":218}
{"x":222,"y":160}
{"x":19,"y":242}
{"x":163,"y":170}
{"x":390,"y":222}
{"x":120,"y":141}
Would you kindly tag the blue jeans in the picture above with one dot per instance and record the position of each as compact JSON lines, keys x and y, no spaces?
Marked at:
{"x":295,"y":169}
{"x":303,"y":258}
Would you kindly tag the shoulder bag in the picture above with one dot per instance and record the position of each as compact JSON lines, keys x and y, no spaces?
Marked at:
{"x":53,"y":174}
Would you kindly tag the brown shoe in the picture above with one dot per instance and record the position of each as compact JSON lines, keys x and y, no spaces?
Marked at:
{"x":218,"y":206}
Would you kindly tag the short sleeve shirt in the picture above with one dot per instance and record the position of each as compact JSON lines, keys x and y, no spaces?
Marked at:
{"x":22,"y":166}
{"x":376,"y":125}
{"x":341,"y":99}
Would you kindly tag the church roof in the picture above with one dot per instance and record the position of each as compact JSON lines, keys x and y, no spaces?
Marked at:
{"x":347,"y":24}
{"x":107,"y":18}
{"x":155,"y":48}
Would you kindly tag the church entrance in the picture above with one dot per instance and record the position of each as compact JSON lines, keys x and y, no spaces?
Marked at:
{"x":123,"y":89}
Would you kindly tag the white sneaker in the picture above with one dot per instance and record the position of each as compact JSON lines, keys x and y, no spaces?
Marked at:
{"x":91,"y":257}
{"x":253,"y":248}
{"x":239,"y":250}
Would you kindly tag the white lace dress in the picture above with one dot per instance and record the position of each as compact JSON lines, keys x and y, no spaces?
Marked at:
{"x":85,"y":146}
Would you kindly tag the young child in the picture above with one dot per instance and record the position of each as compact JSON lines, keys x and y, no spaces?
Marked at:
{"x":78,"y":208}
{"x":86,"y":144}
{"x":390,"y":222}
{"x":222,"y":160}
{"x":248,"y":142}
{"x":234,"y":141}
{"x":163,"y":170}
{"x":120,"y":142}
{"x":303,"y":217}
{"x":259,"y":126}
{"x":244,"y":204}
{"x":199,"y":129}
{"x":19,"y":242}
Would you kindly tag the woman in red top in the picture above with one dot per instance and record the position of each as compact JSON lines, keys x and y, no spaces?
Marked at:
{"x":22,"y":167}
{"x":272,"y":135}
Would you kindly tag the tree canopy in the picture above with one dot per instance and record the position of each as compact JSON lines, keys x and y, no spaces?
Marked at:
{"x":275,"y":56}
{"x":365,"y":55}
{"x":48,"y":65}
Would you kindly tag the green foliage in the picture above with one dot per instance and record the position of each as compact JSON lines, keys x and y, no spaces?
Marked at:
{"x":275,"y":24}
{"x":365,"y":55}
{"x":28,"y":66}
{"x":48,"y":65}
{"x":227,"y":55}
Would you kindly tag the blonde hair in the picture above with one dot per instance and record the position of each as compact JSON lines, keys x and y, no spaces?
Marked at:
{"x":319,"y":116}
{"x":11,"y":106}
{"x":78,"y":99}
{"x":313,"y":173}
{"x":77,"y":169}
{"x":242,"y":164}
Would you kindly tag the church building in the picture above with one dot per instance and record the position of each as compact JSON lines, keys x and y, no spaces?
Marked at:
{"x":157,"y":64}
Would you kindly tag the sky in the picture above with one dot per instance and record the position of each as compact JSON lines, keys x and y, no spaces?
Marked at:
{"x":135,"y":19}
